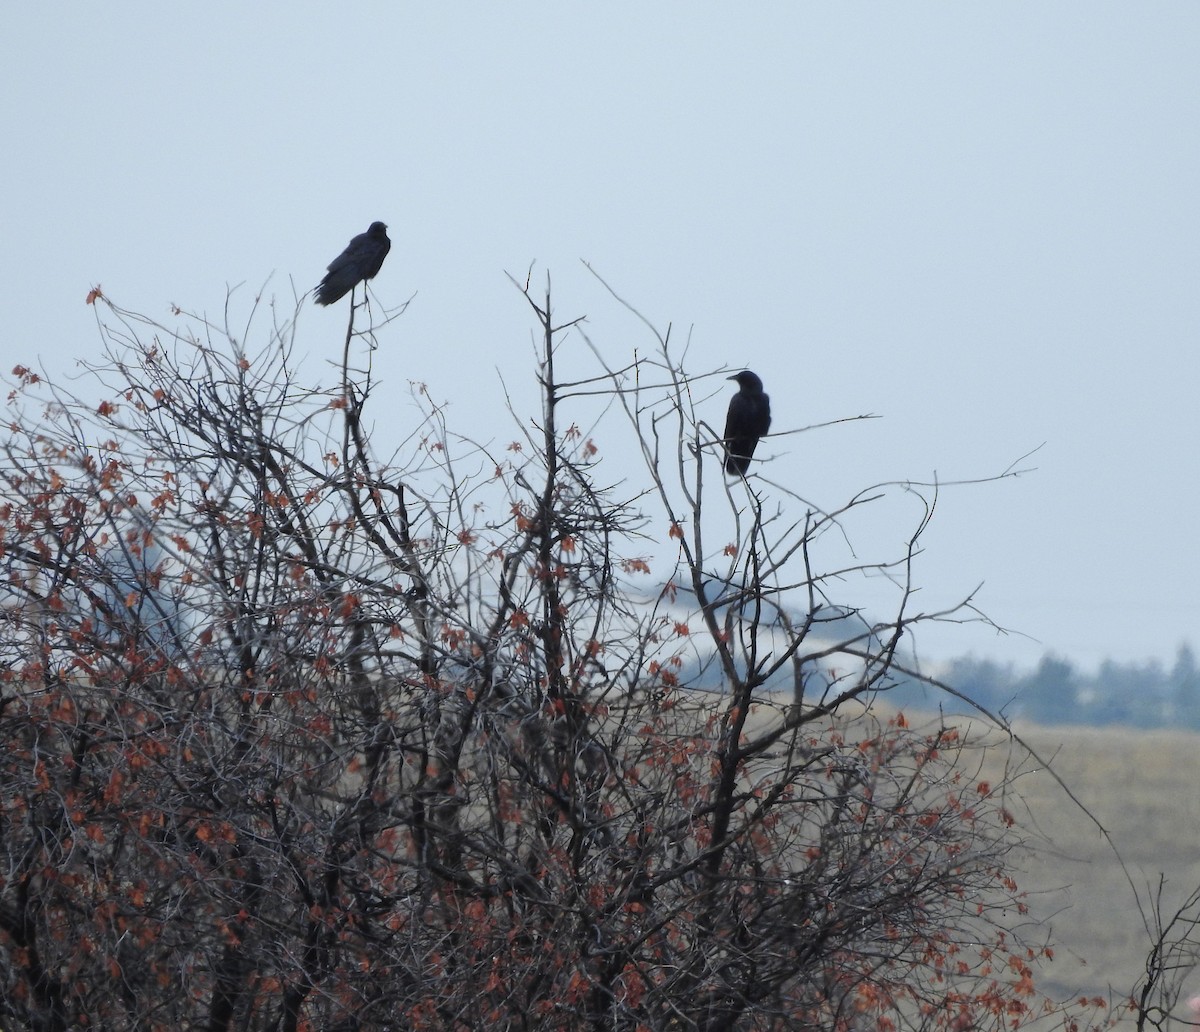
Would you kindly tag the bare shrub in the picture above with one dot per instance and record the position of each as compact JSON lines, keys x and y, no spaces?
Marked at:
{"x":299,"y":735}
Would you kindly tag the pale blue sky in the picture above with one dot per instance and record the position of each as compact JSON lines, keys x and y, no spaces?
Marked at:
{"x":978,"y":221}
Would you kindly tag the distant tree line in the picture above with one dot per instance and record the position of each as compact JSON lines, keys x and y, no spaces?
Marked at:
{"x":1143,"y":694}
{"x":1056,"y":691}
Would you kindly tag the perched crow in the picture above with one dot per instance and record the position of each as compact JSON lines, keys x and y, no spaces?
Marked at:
{"x":360,"y":261}
{"x":749,"y":419}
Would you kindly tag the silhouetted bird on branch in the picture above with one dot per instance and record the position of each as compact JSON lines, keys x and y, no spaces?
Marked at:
{"x":361,"y":260}
{"x":749,"y":419}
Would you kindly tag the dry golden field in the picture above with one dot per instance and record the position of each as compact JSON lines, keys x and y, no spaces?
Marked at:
{"x":1143,"y":788}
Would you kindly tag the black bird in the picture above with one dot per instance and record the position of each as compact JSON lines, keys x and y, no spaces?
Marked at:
{"x":749,"y":419}
{"x":361,"y":260}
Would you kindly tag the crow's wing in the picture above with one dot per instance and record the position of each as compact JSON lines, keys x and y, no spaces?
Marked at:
{"x":748,"y":419}
{"x":361,"y":260}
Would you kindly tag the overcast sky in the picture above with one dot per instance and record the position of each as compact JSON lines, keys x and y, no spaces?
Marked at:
{"x":980,"y":222}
